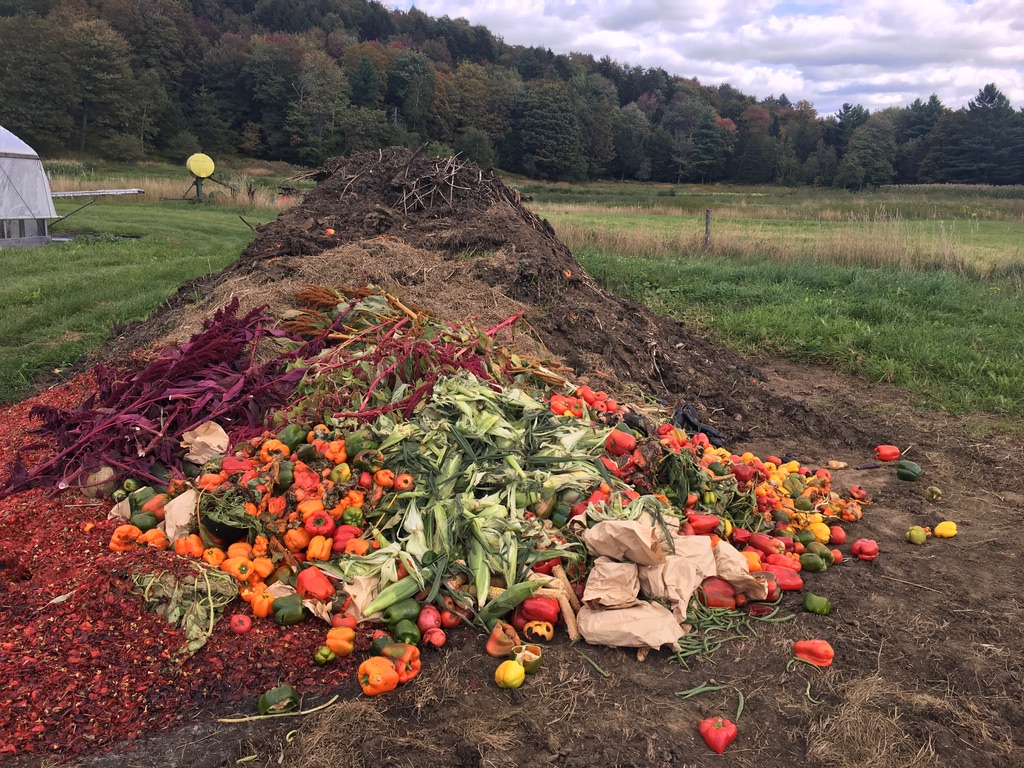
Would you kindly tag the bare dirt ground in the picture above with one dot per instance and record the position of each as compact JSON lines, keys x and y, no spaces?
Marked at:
{"x":927,"y":669}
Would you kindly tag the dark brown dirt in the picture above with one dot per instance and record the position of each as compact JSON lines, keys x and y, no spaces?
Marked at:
{"x":927,"y":639}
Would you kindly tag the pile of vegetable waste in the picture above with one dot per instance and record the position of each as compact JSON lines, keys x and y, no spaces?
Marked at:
{"x":411,"y":475}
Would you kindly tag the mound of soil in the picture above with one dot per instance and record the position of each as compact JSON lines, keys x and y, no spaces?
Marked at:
{"x":926,"y":670}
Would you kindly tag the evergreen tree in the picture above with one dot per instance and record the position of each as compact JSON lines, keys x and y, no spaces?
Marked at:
{"x":365,"y":84}
{"x":547,"y":132}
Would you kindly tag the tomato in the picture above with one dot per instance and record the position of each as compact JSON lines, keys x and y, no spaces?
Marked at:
{"x":240,"y":623}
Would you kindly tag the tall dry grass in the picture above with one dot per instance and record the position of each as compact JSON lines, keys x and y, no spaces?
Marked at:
{"x":869,"y":241}
{"x":245,"y":190}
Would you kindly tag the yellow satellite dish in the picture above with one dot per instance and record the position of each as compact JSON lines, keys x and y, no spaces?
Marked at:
{"x":200,"y":165}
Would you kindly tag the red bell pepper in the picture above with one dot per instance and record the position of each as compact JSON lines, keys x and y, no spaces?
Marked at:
{"x":718,"y":733}
{"x":782,"y":561}
{"x":535,"y":609}
{"x":766,"y":544}
{"x":546,"y":566}
{"x":703,"y":524}
{"x":232,"y":464}
{"x":789,"y":580}
{"x":887,"y":452}
{"x":313,"y":583}
{"x":715,"y":592}
{"x":740,"y":536}
{"x":816,"y":652}
{"x":342,"y":535}
{"x":320,"y":524}
{"x":406,"y":659}
{"x":865,"y":549}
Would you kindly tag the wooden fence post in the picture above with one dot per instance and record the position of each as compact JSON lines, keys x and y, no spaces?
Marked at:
{"x":707,"y":229}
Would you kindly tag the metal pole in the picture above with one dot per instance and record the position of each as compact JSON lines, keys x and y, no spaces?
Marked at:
{"x":707,"y":229}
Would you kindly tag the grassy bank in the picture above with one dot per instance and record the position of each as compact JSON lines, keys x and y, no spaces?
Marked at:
{"x":955,"y":343}
{"x":61,"y":301}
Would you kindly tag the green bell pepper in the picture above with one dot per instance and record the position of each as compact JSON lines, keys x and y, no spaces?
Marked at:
{"x":381,"y":643}
{"x":908,"y":470}
{"x":403,"y":609}
{"x":324,"y":655}
{"x":293,"y":436}
{"x":406,"y":631}
{"x":353,"y":516}
{"x":285,"y":476}
{"x":816,"y":604}
{"x":289,"y":610}
{"x":812,"y":563}
{"x":306,"y":452}
{"x":144,"y":521}
{"x":342,"y":473}
{"x":281,"y":698}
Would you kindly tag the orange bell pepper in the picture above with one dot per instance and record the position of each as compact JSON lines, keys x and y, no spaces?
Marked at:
{"x":341,"y":640}
{"x":263,"y":605}
{"x":319,"y":548}
{"x":239,"y":567}
{"x":154,"y":537}
{"x":214,"y":556}
{"x":189,"y":546}
{"x":377,"y":675}
{"x":816,"y":652}
{"x":297,"y":539}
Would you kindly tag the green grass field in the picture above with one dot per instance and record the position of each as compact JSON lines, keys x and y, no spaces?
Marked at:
{"x":920,"y":287}
{"x":59,"y":302}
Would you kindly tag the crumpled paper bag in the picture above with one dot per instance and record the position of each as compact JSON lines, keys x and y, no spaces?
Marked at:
{"x":674,"y":581}
{"x":362,"y":590}
{"x":204,"y":442}
{"x":732,"y":567}
{"x":178,"y":515}
{"x":635,"y":540}
{"x":642,"y":625}
{"x":611,"y":584}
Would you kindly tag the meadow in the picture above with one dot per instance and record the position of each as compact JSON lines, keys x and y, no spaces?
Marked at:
{"x":916,"y":286}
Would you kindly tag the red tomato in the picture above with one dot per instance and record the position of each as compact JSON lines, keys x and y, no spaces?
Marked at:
{"x":837,"y":557}
{"x":240,"y":623}
{"x":836,"y":535}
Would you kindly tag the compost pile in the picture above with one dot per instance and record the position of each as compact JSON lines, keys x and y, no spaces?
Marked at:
{"x":405,"y":445}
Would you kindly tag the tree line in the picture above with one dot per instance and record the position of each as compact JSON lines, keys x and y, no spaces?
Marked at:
{"x":304,"y":80}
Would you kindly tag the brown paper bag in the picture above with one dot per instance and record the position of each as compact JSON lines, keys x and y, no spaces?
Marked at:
{"x":204,"y":442}
{"x":178,"y":514}
{"x":643,"y":625}
{"x":674,"y":581}
{"x":611,"y":584}
{"x":633,"y":540}
{"x":732,"y":567}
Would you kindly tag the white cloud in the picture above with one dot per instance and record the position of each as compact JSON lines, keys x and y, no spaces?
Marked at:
{"x":877,"y":53}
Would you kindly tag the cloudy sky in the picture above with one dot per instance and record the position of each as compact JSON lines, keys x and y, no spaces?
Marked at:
{"x":877,"y":53}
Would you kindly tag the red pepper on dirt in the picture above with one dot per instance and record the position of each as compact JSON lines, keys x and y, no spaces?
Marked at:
{"x":857,"y":492}
{"x":788,"y":579}
{"x":546,"y":566}
{"x":887,"y":452}
{"x":619,"y":443}
{"x":782,"y":561}
{"x":502,"y":640}
{"x":816,"y":652}
{"x":716,"y":592}
{"x":718,"y":733}
{"x":865,"y":549}
{"x":312,"y":582}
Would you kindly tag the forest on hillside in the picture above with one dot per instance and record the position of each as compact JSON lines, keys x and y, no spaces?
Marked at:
{"x":304,"y":80}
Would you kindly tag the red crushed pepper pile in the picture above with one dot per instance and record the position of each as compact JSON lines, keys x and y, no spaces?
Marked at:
{"x":93,"y":668}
